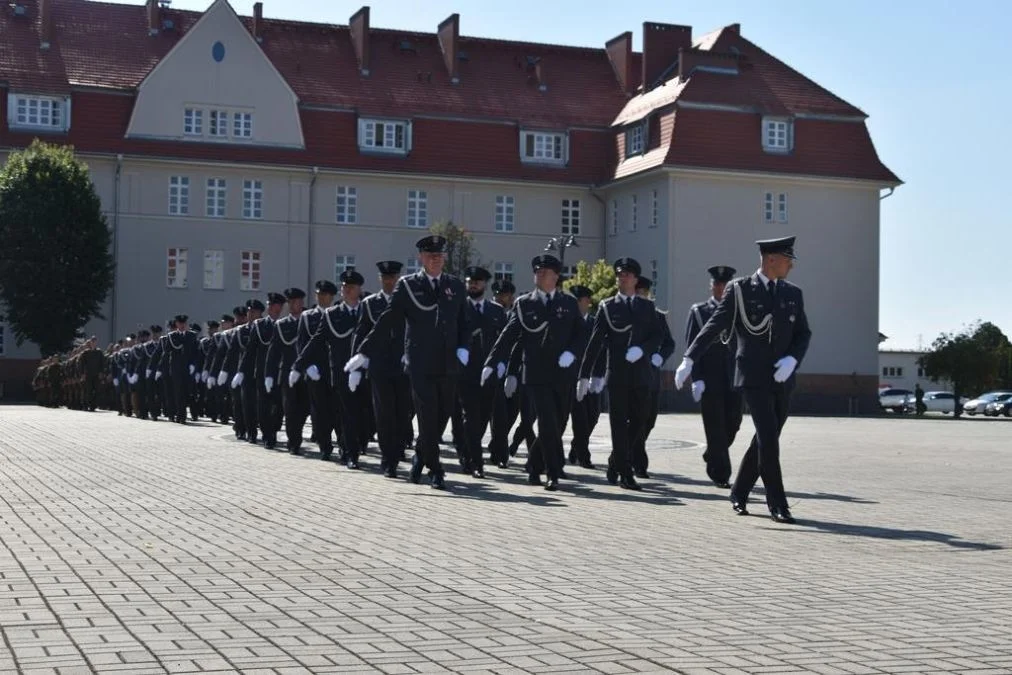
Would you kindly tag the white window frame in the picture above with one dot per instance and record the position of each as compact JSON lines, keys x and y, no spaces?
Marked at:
{"x":544,"y":147}
{"x":613,"y":225}
{"x":215,"y":202}
{"x":782,"y":208}
{"x":193,"y":122}
{"x":343,"y":263}
{"x":252,"y":199}
{"x":176,"y":259}
{"x":380,"y":135}
{"x":179,"y":195}
{"x":571,"y":216}
{"x":250,"y":270}
{"x":505,"y":213}
{"x":218,"y":123}
{"x":214,"y":269}
{"x":22,"y":107}
{"x":242,"y":125}
{"x":635,"y":140}
{"x":774,"y":208}
{"x":503,"y":271}
{"x":654,"y":210}
{"x":778,"y":134}
{"x":346,"y":205}
{"x":634,"y":212}
{"x":417,"y":213}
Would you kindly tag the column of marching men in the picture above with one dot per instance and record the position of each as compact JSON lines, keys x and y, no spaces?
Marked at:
{"x":434,"y":348}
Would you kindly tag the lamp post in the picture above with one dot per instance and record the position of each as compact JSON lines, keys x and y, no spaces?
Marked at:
{"x":560,"y":244}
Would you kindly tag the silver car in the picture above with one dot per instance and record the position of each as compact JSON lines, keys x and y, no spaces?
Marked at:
{"x":977,"y":405}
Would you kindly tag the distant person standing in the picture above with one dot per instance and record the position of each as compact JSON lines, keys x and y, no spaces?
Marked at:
{"x":767,"y":315}
{"x":919,"y":399}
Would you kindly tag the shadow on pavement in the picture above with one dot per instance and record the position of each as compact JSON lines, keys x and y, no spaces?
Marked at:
{"x":874,"y":532}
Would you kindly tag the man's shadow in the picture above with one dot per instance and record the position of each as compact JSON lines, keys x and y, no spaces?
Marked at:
{"x":685,"y":480}
{"x":874,"y":532}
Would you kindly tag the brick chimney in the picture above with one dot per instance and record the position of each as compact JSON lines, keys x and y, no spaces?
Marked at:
{"x":620,"y":54}
{"x":154,"y":17}
{"x":258,"y":21}
{"x":661,"y":42}
{"x":449,"y":41}
{"x":45,"y":23}
{"x":359,"y":25}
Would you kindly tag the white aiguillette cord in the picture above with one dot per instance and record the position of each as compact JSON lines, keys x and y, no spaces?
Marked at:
{"x":764,"y":326}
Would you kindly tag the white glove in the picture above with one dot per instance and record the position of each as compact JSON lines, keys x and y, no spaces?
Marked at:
{"x":656,"y":360}
{"x":566,"y":359}
{"x":510,"y":386}
{"x":698,"y":387}
{"x":596,"y":385}
{"x":354,"y":363}
{"x":683,"y":372}
{"x":115,"y":381}
{"x":486,"y":373}
{"x":237,"y":380}
{"x":203,"y":376}
{"x":222,"y":378}
{"x":158,"y":376}
{"x":210,"y":383}
{"x":784,"y":368}
{"x":463,"y":356}
{"x":196,"y":377}
{"x":132,"y":379}
{"x":582,"y":387}
{"x":500,"y":370}
{"x":354,"y":379}
{"x":147,"y":373}
{"x":404,"y":359}
{"x":313,"y":373}
{"x":293,"y":378}
{"x":633,"y":354}
{"x":192,"y":369}
{"x":268,"y":384}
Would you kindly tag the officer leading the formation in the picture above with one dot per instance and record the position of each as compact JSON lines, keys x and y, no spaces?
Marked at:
{"x":767,"y":315}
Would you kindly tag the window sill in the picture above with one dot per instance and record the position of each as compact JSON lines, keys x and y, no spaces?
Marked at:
{"x":776,"y":151}
{"x":382,"y":152}
{"x":28,"y":129}
{"x":557,"y":163}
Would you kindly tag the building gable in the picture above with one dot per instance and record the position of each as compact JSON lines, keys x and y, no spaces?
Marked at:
{"x":216,"y":85}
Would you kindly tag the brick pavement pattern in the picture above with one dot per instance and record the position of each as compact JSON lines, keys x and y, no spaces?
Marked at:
{"x":140,"y":547}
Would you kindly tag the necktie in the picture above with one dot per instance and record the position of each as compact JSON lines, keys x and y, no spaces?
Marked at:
{"x":435,"y":284}
{"x":772,"y":285}
{"x":548,"y":300}
{"x":477,"y":307}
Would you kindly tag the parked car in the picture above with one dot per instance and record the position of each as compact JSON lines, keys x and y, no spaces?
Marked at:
{"x":1000,"y":406}
{"x":977,"y":405}
{"x":936,"y":401}
{"x":894,"y":399}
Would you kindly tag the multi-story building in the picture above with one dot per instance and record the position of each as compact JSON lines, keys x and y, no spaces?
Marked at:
{"x":901,"y":369}
{"x":236,"y":155}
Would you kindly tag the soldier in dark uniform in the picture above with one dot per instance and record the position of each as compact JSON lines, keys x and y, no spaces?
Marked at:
{"x":196,"y":401}
{"x":432,"y":304}
{"x":627,"y":326}
{"x":261,"y":405}
{"x":152,"y":387}
{"x":547,"y":326}
{"x":713,"y":382}
{"x":586,"y":413}
{"x":504,"y":409}
{"x":767,"y":315}
{"x":182,"y":365}
{"x":333,"y":344}
{"x":138,"y":374}
{"x":390,"y":389}
{"x":162,"y":373}
{"x":640,"y":460}
{"x":244,"y":383}
{"x":208,"y":402}
{"x":229,"y":364}
{"x":281,"y":355}
{"x":222,"y":393}
{"x":323,"y":407}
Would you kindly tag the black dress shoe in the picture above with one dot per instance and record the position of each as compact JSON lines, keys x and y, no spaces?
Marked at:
{"x":783,"y":516}
{"x":641,"y":473}
{"x":326,"y":454}
{"x":270,"y":445}
{"x":552,"y":485}
{"x":629,"y":483}
{"x":587,"y":464}
{"x":390,"y":472}
{"x":415,"y":476}
{"x":352,"y":464}
{"x":534,"y":479}
{"x":739,"y":506}
{"x":505,"y":464}
{"x":722,"y":484}
{"x":478,"y":473}
{"x":612,"y":476}
{"x":437,"y":482}
{"x":572,"y":458}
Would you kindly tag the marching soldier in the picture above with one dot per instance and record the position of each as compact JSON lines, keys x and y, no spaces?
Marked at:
{"x":546,"y":325}
{"x":504,"y":409}
{"x":640,"y":460}
{"x":323,"y":406}
{"x":586,"y":413}
{"x":162,"y":373}
{"x":208,"y":402}
{"x":713,"y":382}
{"x":262,"y":405}
{"x":137,"y":377}
{"x":432,"y":304}
{"x":280,"y":356}
{"x":220,"y":395}
{"x":391,"y":391}
{"x":182,"y":365}
{"x":767,"y":315}
{"x":195,"y":397}
{"x":626,"y":325}
{"x":243,"y":382}
{"x":226,"y":362}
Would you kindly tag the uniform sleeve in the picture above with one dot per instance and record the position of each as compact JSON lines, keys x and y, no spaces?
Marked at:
{"x":504,"y":344}
{"x":667,"y":347}
{"x":802,"y":333}
{"x":597,"y":340}
{"x":366,"y":323}
{"x":272,"y":363}
{"x":378,"y":337}
{"x":720,"y":321}
{"x":579,"y":337}
{"x":312,"y":353}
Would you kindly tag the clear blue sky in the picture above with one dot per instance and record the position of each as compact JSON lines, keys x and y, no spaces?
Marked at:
{"x":932,"y":76}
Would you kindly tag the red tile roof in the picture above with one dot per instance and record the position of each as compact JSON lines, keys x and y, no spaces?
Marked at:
{"x":103,"y":45}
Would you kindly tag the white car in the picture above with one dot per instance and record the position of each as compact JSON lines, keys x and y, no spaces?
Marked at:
{"x":894,"y":399}
{"x":936,"y":401}
{"x":977,"y":405}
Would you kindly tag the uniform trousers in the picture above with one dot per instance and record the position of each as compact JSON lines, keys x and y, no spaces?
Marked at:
{"x":585,"y":416}
{"x":721,"y":419}
{"x":349,"y":412}
{"x":769,"y":407}
{"x":180,"y":381}
{"x":322,"y":411}
{"x":391,"y":406}
{"x":238,"y":413}
{"x":550,"y":403}
{"x":640,"y":460}
{"x":476,"y":402}
{"x":249,"y":395}
{"x":627,"y":413}
{"x":295,"y":401}
{"x":269,"y":411}
{"x":433,"y":397}
{"x":498,"y":447}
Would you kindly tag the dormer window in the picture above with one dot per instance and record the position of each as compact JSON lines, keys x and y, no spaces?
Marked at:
{"x":634,"y":139}
{"x":544,"y":147}
{"x":778,"y":134}
{"x":45,"y":113}
{"x":389,"y":136}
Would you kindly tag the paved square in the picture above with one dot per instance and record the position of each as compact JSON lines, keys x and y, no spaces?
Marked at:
{"x":143,"y":547}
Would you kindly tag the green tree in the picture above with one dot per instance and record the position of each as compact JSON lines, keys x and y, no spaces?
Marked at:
{"x":974,"y":360}
{"x":600,"y":279}
{"x":56,"y":268}
{"x":460,"y":249}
